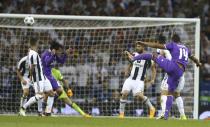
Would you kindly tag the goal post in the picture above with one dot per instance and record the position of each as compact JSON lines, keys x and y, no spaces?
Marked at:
{"x":96,"y":68}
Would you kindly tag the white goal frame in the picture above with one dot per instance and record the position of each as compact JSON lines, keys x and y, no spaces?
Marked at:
{"x":192,"y":20}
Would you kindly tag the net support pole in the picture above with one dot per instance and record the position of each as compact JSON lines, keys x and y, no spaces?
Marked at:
{"x":196,"y":74}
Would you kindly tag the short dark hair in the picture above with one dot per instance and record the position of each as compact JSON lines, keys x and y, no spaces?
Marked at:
{"x":175,"y":38}
{"x":162,"y":39}
{"x":33,"y":42}
{"x":55,"y":45}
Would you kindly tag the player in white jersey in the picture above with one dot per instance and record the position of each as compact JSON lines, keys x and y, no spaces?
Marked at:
{"x":135,"y":82}
{"x":40,"y":82}
{"x":164,"y":89}
{"x":23,"y":75}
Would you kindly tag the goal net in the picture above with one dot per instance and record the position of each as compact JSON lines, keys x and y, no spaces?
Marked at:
{"x":96,"y":67}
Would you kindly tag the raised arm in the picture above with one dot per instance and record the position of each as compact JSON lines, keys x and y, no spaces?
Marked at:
{"x":151,"y":44}
{"x":153,"y":67}
{"x":129,"y":56}
{"x":195,"y":60}
{"x":61,"y":59}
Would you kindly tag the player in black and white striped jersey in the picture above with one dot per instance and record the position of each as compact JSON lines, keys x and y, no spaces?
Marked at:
{"x":23,"y":75}
{"x":40,"y":83}
{"x":135,"y":82}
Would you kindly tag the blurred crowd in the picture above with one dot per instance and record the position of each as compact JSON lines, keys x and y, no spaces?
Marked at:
{"x":101,"y":66}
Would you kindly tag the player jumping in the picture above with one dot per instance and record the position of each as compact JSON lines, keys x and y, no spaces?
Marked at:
{"x":49,"y":57}
{"x":135,"y":82}
{"x":174,"y":67}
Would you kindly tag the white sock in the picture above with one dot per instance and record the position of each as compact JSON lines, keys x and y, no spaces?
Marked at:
{"x":180,"y":105}
{"x":122,"y":105}
{"x":147,"y":102}
{"x":31,"y":101}
{"x":163,"y":103}
{"x":40,"y":105}
{"x":23,"y":100}
{"x":50,"y":101}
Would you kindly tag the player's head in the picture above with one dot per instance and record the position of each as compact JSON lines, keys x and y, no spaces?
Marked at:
{"x":33,"y":43}
{"x":161,"y":39}
{"x":139,"y":48}
{"x":57,"y":47}
{"x":175,"y":38}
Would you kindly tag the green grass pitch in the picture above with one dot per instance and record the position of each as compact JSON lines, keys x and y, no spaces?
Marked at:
{"x":33,"y":121}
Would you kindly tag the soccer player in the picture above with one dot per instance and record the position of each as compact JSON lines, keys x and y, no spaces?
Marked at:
{"x":49,"y":57}
{"x":40,"y":82}
{"x":135,"y":82}
{"x":23,"y":75}
{"x":64,"y":83}
{"x":174,"y":67}
{"x":164,"y":90}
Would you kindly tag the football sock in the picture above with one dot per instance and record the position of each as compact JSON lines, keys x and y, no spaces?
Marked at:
{"x":78,"y":109}
{"x":147,"y":102}
{"x":163,"y":103}
{"x":122,"y":105}
{"x":143,"y":56}
{"x":50,"y":101}
{"x":169,"y":103}
{"x":31,"y":101}
{"x":180,"y":105}
{"x":40,"y":102}
{"x":23,"y":100}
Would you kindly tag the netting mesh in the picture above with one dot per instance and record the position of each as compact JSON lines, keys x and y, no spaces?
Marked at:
{"x":96,"y":68}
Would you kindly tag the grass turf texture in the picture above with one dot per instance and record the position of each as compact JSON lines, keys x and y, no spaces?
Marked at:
{"x":33,"y":121}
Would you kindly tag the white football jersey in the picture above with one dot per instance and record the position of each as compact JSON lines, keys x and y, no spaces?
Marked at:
{"x":138,"y":70}
{"x":34,"y":59}
{"x":23,"y":67}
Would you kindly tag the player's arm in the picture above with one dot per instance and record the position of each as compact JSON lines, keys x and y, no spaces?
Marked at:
{"x":49,"y":58}
{"x":61,"y":59}
{"x":129,"y":56}
{"x":151,"y":44}
{"x":21,"y":77}
{"x":195,"y":60}
{"x":153,"y":68}
{"x":128,"y":70}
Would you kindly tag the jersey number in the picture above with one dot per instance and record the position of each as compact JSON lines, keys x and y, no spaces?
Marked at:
{"x":183,"y":53}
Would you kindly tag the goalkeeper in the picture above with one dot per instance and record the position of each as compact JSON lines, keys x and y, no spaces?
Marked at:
{"x":67,"y":92}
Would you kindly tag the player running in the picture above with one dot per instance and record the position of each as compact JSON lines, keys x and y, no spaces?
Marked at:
{"x":174,"y":67}
{"x":135,"y":82}
{"x":50,"y":57}
{"x":40,"y":82}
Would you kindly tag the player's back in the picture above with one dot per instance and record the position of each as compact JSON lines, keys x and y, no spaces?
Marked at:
{"x":34,"y":59}
{"x":138,"y":70}
{"x":23,"y":66}
{"x":179,"y":52}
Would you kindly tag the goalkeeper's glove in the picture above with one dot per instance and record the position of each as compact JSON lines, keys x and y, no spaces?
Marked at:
{"x":69,"y":93}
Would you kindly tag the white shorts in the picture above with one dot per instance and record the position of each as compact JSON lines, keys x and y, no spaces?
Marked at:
{"x":42,"y":86}
{"x":28,"y":84}
{"x":164,"y":84}
{"x":136,"y":86}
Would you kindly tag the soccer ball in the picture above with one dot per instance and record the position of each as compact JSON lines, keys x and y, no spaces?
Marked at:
{"x":29,"y":20}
